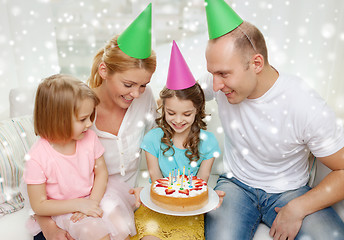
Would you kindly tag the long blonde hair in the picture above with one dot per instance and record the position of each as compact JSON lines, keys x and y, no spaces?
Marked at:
{"x":117,"y":61}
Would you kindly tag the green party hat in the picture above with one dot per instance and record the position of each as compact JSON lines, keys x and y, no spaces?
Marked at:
{"x":136,"y":40}
{"x":221,"y":18}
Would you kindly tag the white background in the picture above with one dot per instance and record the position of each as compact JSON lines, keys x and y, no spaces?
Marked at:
{"x":40,"y":37}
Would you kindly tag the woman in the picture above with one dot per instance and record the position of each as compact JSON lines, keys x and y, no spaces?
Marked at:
{"x":119,"y":76}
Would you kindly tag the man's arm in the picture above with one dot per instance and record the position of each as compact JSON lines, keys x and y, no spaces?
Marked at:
{"x":328,"y":192}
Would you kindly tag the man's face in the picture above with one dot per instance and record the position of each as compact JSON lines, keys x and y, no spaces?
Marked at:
{"x":231,"y":74}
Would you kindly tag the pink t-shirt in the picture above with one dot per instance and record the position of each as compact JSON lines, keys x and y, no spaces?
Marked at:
{"x":65,"y":176}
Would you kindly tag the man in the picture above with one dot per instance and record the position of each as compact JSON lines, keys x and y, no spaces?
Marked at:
{"x":271,"y":122}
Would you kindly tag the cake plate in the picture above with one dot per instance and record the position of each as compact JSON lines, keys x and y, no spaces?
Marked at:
{"x":146,"y":200}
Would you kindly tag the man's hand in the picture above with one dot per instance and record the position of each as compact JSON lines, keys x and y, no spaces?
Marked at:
{"x":136,"y":192}
{"x":221,"y":195}
{"x":58,"y":234}
{"x":287,"y":223}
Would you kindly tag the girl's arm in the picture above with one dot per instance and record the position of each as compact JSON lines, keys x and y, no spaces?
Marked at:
{"x":99,"y":186}
{"x":153,"y":167}
{"x":100,"y":180}
{"x":205,"y":169}
{"x":44,"y":207}
{"x":204,"y":172}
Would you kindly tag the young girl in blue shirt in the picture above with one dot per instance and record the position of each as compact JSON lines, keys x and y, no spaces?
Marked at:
{"x":179,"y":141}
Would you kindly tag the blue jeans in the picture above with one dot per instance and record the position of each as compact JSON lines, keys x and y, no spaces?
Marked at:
{"x":244,"y":207}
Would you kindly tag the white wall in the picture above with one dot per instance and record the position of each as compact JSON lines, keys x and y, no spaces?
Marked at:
{"x":28,"y":46}
{"x":39,"y":37}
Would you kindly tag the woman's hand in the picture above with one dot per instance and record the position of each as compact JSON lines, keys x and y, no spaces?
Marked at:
{"x":136,"y":192}
{"x":221,"y":195}
{"x":89,"y":207}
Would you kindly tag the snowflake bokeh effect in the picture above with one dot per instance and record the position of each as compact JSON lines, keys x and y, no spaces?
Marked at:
{"x":46,"y":37}
{"x":41,"y":37}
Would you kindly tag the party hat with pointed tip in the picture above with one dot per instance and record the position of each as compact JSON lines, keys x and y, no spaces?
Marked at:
{"x":136,"y":40}
{"x":179,"y":75}
{"x":221,"y":18}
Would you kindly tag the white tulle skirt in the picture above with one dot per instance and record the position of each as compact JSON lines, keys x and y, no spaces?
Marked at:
{"x":117,"y":221}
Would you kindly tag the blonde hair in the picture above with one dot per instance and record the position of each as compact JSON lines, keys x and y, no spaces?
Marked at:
{"x":117,"y":61}
{"x":58,"y":98}
{"x":248,"y":40}
{"x":196,"y":95}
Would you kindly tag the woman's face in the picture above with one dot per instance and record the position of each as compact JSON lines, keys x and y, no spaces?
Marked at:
{"x":122,"y":88}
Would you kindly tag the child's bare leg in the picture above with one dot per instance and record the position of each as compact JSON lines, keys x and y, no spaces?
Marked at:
{"x":119,"y":218}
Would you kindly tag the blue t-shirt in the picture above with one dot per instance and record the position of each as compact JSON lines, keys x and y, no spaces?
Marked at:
{"x":151,"y":143}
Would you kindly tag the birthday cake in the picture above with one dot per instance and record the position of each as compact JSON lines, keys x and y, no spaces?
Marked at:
{"x":181,"y":193}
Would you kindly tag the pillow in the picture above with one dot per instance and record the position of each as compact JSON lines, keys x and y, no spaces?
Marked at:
{"x":312,"y":169}
{"x":16,"y":138}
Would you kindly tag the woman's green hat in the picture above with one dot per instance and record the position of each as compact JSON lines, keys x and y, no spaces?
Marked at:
{"x":136,"y":40}
{"x":221,"y":18}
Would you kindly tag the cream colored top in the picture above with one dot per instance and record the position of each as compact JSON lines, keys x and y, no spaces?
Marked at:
{"x":122,"y":152}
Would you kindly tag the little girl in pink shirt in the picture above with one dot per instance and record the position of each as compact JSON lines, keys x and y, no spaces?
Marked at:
{"x":66,"y":174}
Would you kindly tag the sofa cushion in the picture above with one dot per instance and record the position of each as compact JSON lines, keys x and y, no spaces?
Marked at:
{"x":16,"y":137}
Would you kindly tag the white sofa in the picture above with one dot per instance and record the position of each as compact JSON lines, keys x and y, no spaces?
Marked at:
{"x":16,"y":136}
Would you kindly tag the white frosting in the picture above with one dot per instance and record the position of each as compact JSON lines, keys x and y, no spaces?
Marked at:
{"x":192,"y":193}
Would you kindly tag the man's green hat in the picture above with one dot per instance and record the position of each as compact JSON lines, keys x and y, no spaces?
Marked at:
{"x":221,"y":18}
{"x":136,"y":40}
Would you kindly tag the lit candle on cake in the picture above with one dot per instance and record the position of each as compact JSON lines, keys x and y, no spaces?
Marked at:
{"x":178,"y":179}
{"x":171,"y":178}
{"x":182,"y":184}
{"x":169,"y":181}
{"x":183,"y":171}
{"x":190,"y":186}
{"x":189,"y":176}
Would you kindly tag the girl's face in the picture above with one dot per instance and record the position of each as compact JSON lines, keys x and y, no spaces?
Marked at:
{"x":179,"y":114}
{"x":82,"y":122}
{"x":122,"y":88}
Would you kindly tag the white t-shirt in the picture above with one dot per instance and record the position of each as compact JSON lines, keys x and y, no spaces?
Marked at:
{"x":268,"y":139}
{"x":122,"y":152}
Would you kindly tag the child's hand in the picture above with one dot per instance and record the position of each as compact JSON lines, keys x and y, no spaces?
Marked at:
{"x":221,"y":195}
{"x":136,"y":192}
{"x":77,"y":217}
{"x":89,"y":207}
